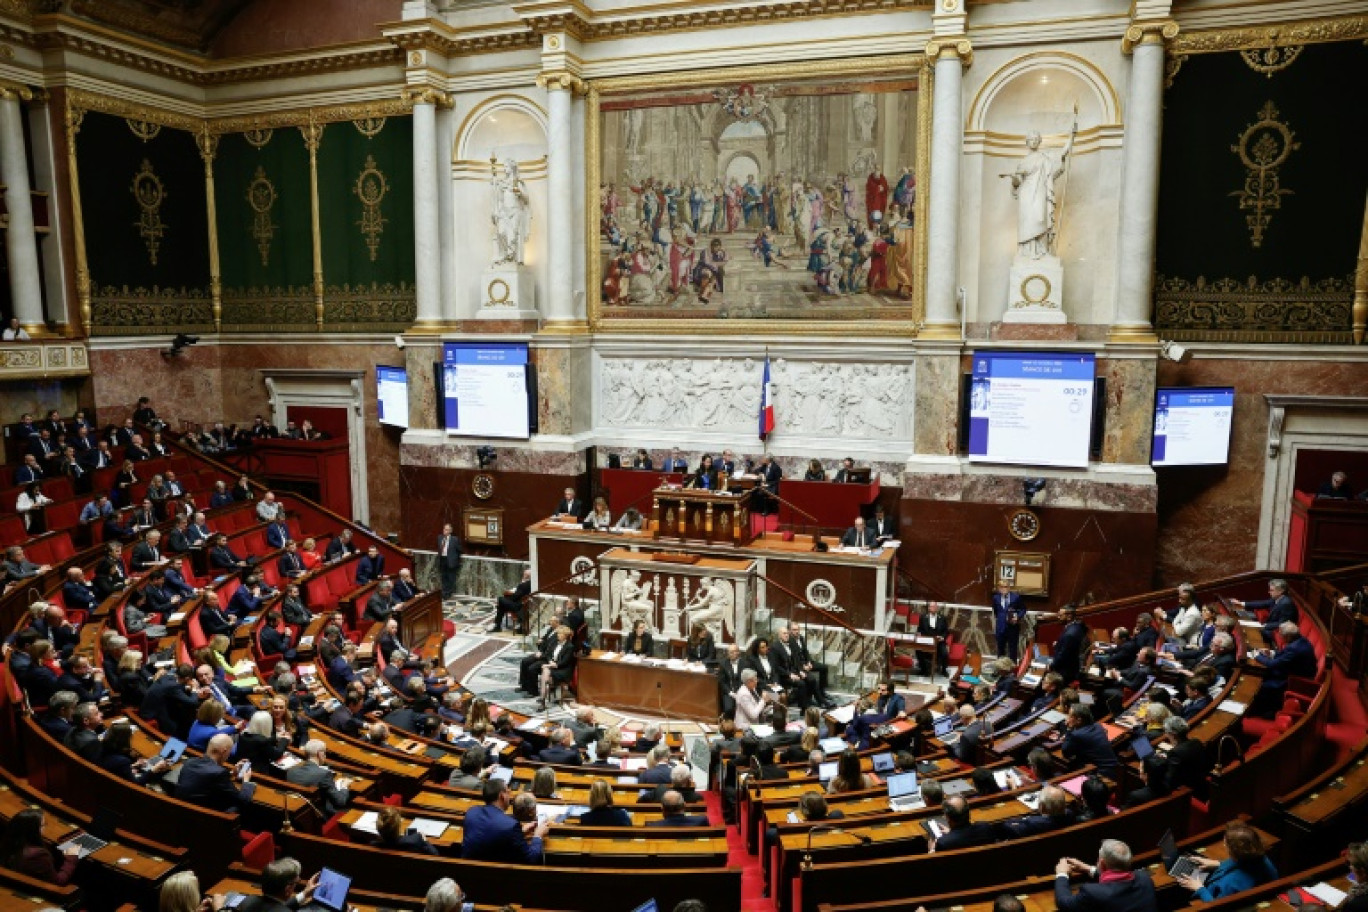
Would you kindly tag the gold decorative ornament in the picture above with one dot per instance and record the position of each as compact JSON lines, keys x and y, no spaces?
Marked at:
{"x":258,"y":138}
{"x":369,"y":127}
{"x":1023,"y":524}
{"x":147,"y":189}
{"x":145,"y":130}
{"x":1249,"y":310}
{"x":1034,"y":300}
{"x":498,"y":292}
{"x":371,"y":188}
{"x":482,"y":486}
{"x":262,"y":196}
{"x":1263,"y":148}
{"x":1271,"y":60}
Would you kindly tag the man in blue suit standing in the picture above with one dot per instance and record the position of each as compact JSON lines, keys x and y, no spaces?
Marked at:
{"x":1007,"y":611}
{"x":1067,"y":658}
{"x":490,"y":834}
{"x":1297,"y":657}
{"x":1112,"y":886}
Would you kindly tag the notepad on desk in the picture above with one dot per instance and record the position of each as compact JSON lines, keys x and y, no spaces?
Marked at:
{"x":369,"y":822}
{"x":1234,"y":707}
{"x":430,"y":829}
{"x":842,"y":714}
{"x":176,"y":617}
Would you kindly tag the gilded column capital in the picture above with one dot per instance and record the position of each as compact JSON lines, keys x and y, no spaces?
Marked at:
{"x":426,"y":95}
{"x":207,"y":143}
{"x":943,"y":48}
{"x":1148,"y":31}
{"x":15,"y":90}
{"x":563,"y":81}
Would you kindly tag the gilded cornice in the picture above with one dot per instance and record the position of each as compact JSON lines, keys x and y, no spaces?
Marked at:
{"x":366,"y":58}
{"x":1311,"y":31}
{"x":442,"y":39}
{"x":79,"y":100}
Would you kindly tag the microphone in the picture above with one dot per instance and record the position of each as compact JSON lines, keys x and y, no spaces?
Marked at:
{"x":287,"y":826}
{"x":828,"y":828}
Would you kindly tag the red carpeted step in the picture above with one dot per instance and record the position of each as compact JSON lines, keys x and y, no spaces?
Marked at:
{"x":752,"y":882}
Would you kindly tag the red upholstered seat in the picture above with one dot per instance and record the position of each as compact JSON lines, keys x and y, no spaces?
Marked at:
{"x":259,"y":851}
{"x":334,"y":830}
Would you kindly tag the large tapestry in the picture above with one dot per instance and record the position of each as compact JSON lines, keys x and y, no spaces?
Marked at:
{"x":1262,"y":192}
{"x":759,"y":199}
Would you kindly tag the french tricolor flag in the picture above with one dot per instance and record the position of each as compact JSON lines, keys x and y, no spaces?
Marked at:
{"x":766,"y":403}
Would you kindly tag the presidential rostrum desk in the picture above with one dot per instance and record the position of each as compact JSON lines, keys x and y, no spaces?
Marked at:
{"x":653,"y":687}
{"x":861,"y":585}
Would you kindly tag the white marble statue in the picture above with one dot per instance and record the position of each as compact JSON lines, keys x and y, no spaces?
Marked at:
{"x":710,"y":606}
{"x":511,"y":215}
{"x":635,"y":603}
{"x":1033,"y":186}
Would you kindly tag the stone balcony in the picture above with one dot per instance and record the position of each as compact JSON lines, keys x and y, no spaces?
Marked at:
{"x":43,"y":359}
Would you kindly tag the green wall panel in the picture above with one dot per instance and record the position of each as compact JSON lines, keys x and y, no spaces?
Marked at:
{"x":262,"y":196}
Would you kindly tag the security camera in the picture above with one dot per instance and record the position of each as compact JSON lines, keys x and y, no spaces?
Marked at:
{"x":486,"y":455}
{"x":399,"y":342}
{"x":1175,"y":352}
{"x":1030,"y":487}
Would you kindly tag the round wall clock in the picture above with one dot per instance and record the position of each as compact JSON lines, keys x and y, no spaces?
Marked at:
{"x":1023,"y":524}
{"x":482,"y":486}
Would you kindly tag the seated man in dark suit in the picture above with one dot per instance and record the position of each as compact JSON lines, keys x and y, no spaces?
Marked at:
{"x":966,"y":748}
{"x":290,"y":564}
{"x":172,"y":701}
{"x":1123,"y":652}
{"x":1052,"y":813}
{"x":859,"y":535}
{"x":672,"y":807}
{"x":339,"y":547}
{"x":370,"y":567}
{"x":562,"y":749}
{"x":381,"y":603}
{"x":277,"y":533}
{"x":275,"y":641}
{"x":224,"y":559}
{"x":314,"y":773}
{"x":205,"y":782}
{"x":1296,"y":658}
{"x":213,"y":619}
{"x":511,"y":602}
{"x":682,"y":781}
{"x":282,"y":889}
{"x":59,"y":719}
{"x":658,"y":770}
{"x":1086,"y":742}
{"x":348,"y":718}
{"x":1219,"y":656}
{"x":1198,"y":698}
{"x":84,"y":737}
{"x":963,"y":832}
{"x":1281,"y":608}
{"x":490,"y":834}
{"x":77,"y":593}
{"x":178,"y":539}
{"x":1112,"y":886}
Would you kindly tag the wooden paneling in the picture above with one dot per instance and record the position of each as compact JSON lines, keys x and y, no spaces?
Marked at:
{"x":432,"y":496}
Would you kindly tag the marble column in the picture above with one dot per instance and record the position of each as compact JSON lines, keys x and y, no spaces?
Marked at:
{"x":21,"y":243}
{"x":426,"y":226}
{"x":1139,"y":214}
{"x":561,"y":226}
{"x":947,"y":144}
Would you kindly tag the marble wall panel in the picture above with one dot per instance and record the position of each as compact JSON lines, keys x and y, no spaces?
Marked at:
{"x":1130,"y":409}
{"x":421,"y":359}
{"x":481,"y":577}
{"x":1209,"y":516}
{"x":188,"y":387}
{"x":938,"y":396}
{"x":949,"y":548}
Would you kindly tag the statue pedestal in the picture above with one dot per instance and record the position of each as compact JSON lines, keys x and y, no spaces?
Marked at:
{"x":508,"y":292}
{"x":1035,"y":291}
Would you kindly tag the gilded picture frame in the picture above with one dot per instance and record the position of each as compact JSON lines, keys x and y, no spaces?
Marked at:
{"x":740,"y":95}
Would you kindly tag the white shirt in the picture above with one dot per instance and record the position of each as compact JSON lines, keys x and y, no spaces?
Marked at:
{"x":1187,"y":624}
{"x":16,"y":335}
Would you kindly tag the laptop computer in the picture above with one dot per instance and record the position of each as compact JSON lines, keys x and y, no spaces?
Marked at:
{"x":648,"y":906}
{"x":1142,"y":747}
{"x":331,"y":892}
{"x":903,"y":792}
{"x":944,"y":729}
{"x":96,"y":836}
{"x":171,"y":751}
{"x":883,"y":763}
{"x":1178,"y":865}
{"x":501,"y":773}
{"x":827,"y":771}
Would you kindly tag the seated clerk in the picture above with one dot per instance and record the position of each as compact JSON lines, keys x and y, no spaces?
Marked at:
{"x":569,"y":505}
{"x":370,"y":567}
{"x":675,"y":462}
{"x":815,"y":472}
{"x":843,"y":475}
{"x":882,"y":527}
{"x":223,"y":558}
{"x":642,"y":460}
{"x":599,"y":518}
{"x":963,"y":833}
{"x":1052,"y":813}
{"x":859,"y":536}
{"x":639,"y":641}
{"x":1085,"y":742}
